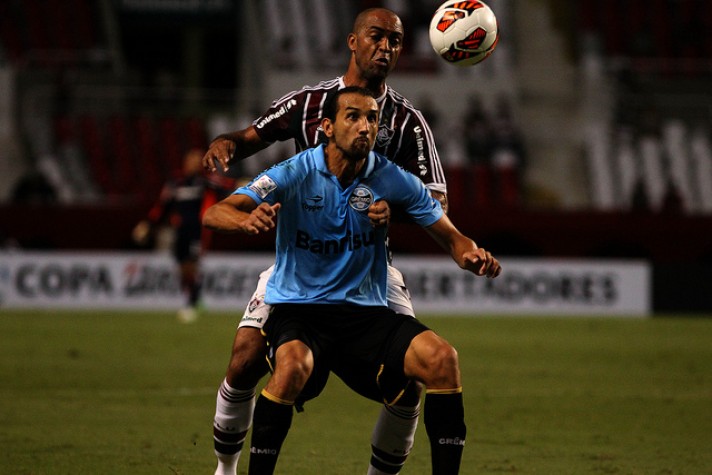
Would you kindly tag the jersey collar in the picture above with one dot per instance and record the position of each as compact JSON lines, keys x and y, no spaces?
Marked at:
{"x":320,"y":162}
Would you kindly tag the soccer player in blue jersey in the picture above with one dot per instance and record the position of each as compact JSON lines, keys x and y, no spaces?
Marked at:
{"x":405,"y":137}
{"x":328,"y":288}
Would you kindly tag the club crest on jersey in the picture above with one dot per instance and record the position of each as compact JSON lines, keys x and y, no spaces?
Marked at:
{"x":254,"y":303}
{"x":384,"y":136}
{"x":263,"y":186}
{"x":361,"y":198}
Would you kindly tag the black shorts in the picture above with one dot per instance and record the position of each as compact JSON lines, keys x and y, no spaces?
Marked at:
{"x":364,"y":346}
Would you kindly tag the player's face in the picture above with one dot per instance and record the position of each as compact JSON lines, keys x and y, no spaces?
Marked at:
{"x":356,"y":125}
{"x":192,"y":162}
{"x":377,"y":44}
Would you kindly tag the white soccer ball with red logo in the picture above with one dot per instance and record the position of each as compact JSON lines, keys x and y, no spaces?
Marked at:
{"x":464,"y":32}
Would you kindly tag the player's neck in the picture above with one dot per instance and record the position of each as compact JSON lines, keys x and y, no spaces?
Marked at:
{"x":343,"y":168}
{"x":376,"y":85}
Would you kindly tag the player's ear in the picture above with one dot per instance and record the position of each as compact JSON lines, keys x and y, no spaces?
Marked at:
{"x":351,"y":42}
{"x":327,"y":126}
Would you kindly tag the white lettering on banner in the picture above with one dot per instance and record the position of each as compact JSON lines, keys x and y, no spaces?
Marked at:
{"x":437,"y":285}
{"x":531,"y":286}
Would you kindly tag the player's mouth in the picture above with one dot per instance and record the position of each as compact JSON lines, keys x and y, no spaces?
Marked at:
{"x":382,"y":61}
{"x":362,"y":144}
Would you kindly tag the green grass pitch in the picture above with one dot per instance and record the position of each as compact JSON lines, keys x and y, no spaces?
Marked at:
{"x":134,"y":392}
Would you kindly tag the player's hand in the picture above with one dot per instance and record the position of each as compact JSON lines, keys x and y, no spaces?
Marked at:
{"x":482,"y":263}
{"x":219,"y":154}
{"x":379,"y":213}
{"x":261,"y":219}
{"x":141,"y":233}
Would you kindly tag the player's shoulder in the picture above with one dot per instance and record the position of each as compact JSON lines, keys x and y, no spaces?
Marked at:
{"x":321,"y":86}
{"x":298,"y":96}
{"x":384,"y":165}
{"x":302,"y":161}
{"x":406,"y":108}
{"x":324,"y":85}
{"x":399,"y":99}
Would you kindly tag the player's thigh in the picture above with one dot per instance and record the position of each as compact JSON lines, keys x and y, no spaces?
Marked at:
{"x":431,"y":360}
{"x":294,"y":362}
{"x":247,"y":361}
{"x":316,"y":382}
{"x":249,"y":348}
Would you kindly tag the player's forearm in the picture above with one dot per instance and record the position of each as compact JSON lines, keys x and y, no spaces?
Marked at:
{"x":225,"y":218}
{"x":246,"y":142}
{"x":451,"y":240}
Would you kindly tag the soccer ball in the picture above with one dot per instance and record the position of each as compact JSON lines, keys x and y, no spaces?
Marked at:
{"x":464,"y":32}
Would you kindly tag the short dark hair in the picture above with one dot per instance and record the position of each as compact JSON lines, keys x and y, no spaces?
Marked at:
{"x":362,"y":18}
{"x":331,"y":106}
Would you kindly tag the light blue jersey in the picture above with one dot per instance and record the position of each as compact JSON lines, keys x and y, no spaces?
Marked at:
{"x":327,"y":250}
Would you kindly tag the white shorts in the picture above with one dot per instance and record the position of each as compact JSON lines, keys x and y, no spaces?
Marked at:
{"x":257,"y":311}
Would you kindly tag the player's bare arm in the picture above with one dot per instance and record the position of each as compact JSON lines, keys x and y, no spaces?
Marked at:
{"x":240,"y":214}
{"x":464,"y":250}
{"x":442,"y":198}
{"x":225,"y":149}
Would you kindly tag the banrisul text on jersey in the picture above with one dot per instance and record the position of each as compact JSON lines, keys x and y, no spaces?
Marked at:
{"x":334,"y":246}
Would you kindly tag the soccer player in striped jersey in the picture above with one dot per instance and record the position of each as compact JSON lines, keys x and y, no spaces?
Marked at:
{"x":405,"y":138}
{"x":328,"y":288}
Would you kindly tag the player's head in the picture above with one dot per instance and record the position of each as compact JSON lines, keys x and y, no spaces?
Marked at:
{"x":350,"y":122}
{"x":375,"y":42}
{"x":193,"y":162}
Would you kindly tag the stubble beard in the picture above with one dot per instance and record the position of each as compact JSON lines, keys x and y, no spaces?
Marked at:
{"x":357,"y":151}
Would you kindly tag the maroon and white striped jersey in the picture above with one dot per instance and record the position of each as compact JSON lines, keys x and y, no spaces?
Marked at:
{"x":403,"y":134}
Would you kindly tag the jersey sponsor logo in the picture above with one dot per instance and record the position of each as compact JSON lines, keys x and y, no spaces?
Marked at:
{"x":361,"y":198}
{"x":263,"y":186}
{"x":350,"y":242}
{"x":276,"y":114}
{"x":420,"y":143}
{"x":245,"y":318}
{"x":384,"y":136}
{"x":313,"y":203}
